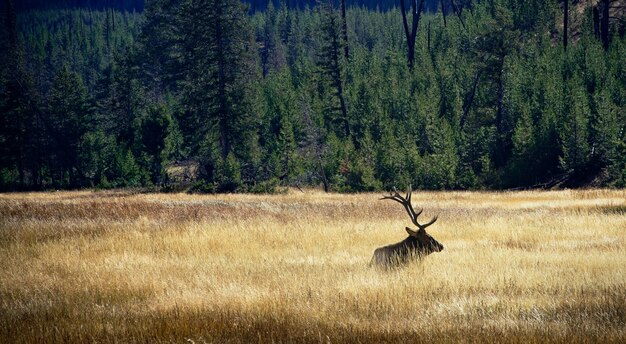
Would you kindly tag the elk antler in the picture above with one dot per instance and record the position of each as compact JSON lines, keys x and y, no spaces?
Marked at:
{"x":406,"y":202}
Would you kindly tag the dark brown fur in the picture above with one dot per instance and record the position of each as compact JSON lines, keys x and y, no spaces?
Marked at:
{"x":417,"y":245}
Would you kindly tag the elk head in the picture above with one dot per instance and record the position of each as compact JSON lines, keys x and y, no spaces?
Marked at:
{"x":418,"y":244}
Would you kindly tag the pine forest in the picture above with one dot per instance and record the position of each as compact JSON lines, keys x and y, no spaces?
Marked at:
{"x":230,"y":96}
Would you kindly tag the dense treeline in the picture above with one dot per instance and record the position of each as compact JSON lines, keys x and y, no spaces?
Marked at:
{"x":493,"y":99}
{"x":122,"y":5}
{"x":255,"y":5}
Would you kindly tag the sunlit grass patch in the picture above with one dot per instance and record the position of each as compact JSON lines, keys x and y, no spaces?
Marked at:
{"x":517,"y":267}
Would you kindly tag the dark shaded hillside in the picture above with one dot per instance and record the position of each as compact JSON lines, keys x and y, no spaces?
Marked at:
{"x":127,"y":5}
{"x":495,"y":99}
{"x":430,"y":5}
{"x":255,"y":5}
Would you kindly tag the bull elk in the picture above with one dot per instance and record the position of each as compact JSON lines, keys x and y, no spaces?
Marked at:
{"x":419,"y":243}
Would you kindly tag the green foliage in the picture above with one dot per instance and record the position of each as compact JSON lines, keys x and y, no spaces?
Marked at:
{"x":126,"y":172}
{"x":202,"y":187}
{"x":96,"y":153}
{"x":229,"y":174}
{"x":109,"y":99}
{"x":331,"y":71}
{"x":574,"y":133}
{"x":440,"y":165}
{"x":155,"y":128}
{"x":522,"y":165}
{"x":70,"y":118}
{"x":269,"y":186}
{"x":217,"y":83}
{"x":619,"y":165}
{"x":360,"y":176}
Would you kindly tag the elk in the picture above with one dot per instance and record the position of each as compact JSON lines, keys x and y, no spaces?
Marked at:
{"x":419,"y":243}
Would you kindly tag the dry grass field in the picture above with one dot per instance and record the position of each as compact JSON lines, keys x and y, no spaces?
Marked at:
{"x":106,"y":267}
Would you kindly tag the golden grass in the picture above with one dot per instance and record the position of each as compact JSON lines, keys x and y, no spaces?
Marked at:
{"x":120,"y":267}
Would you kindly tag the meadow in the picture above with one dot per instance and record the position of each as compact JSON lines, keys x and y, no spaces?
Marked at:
{"x":118,"y":266}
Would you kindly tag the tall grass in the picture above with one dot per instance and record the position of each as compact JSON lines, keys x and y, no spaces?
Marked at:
{"x":523,"y":267}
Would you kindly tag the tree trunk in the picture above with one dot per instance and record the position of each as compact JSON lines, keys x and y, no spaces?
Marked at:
{"x":469,"y":100}
{"x":405,"y":25}
{"x":604,"y":24}
{"x":411,"y":35}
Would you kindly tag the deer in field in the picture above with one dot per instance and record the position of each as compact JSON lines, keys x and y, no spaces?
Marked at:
{"x":419,"y":243}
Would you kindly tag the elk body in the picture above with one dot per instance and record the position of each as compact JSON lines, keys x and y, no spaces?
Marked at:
{"x":417,"y":245}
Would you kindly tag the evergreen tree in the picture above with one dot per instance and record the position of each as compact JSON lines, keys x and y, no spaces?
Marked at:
{"x":523,"y":164}
{"x":70,"y":114}
{"x":574,"y":133}
{"x":21,"y":128}
{"x":155,"y":127}
{"x":159,"y":43}
{"x":331,"y":67}
{"x":218,"y":86}
{"x":272,"y":51}
{"x":98,"y":97}
{"x":441,"y":162}
{"x":96,"y":154}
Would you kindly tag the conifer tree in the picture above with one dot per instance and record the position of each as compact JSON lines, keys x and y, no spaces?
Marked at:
{"x":219,"y":81}
{"x":70,"y":114}
{"x":272,"y":51}
{"x":21,"y":128}
{"x":331,"y":66}
{"x":496,"y":103}
{"x":574,"y":133}
{"x":155,"y":128}
{"x":159,"y":45}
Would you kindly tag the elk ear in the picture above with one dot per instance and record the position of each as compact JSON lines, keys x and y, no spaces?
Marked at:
{"x":410,"y":231}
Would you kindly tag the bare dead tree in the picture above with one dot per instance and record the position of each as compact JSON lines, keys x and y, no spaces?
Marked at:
{"x":604,"y":13}
{"x":410,"y":33}
{"x":416,"y":12}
